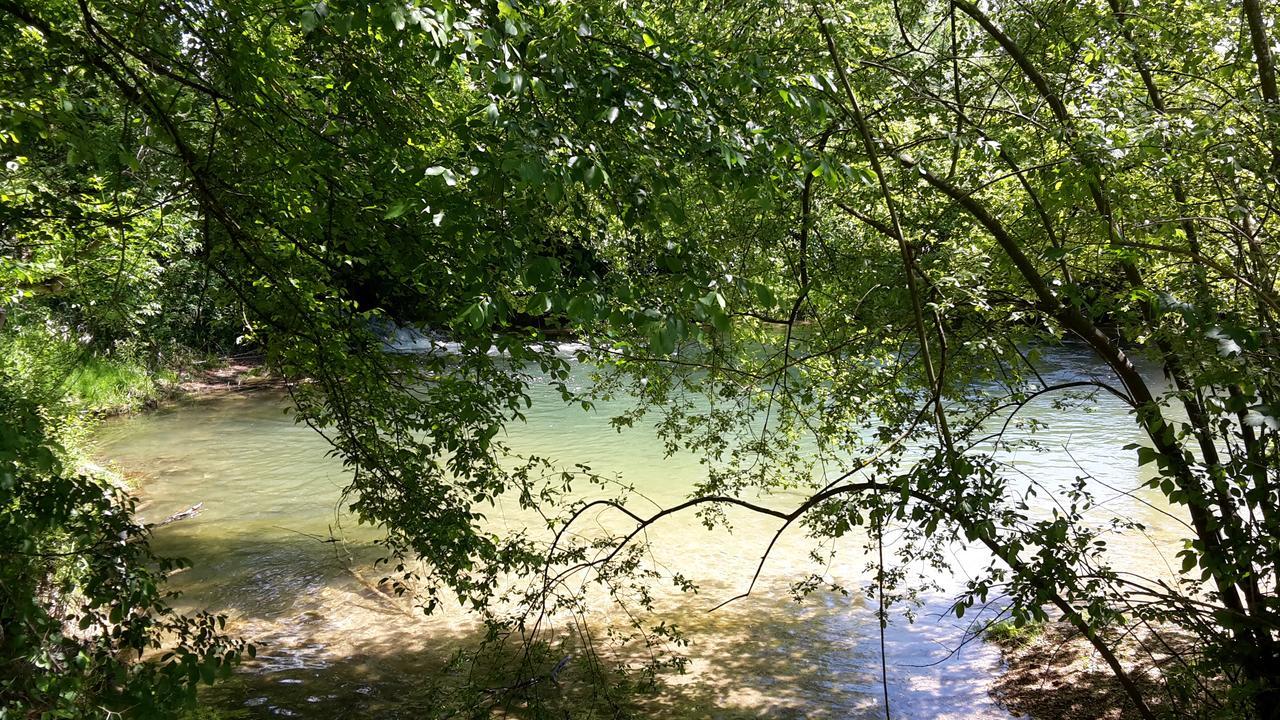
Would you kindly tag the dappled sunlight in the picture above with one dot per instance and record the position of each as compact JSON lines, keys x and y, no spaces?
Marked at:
{"x":272,"y":549}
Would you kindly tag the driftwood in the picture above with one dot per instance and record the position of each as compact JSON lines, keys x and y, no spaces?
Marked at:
{"x":190,"y":512}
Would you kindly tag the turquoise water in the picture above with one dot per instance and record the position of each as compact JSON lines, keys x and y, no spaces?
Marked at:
{"x":332,"y":645}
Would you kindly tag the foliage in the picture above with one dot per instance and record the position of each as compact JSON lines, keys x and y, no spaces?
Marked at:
{"x":80,"y":593}
{"x":820,"y":243}
{"x":75,"y":376}
{"x":1011,"y":634}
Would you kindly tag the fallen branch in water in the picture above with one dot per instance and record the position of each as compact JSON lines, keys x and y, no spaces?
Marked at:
{"x":190,"y":512}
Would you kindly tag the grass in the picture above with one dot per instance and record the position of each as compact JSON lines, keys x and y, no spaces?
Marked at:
{"x":1007,"y":633}
{"x":71,"y":377}
{"x":103,"y":385}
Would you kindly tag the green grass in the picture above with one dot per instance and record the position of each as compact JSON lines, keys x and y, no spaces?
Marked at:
{"x":1009,"y":634}
{"x":71,"y":377}
{"x":104,"y":385}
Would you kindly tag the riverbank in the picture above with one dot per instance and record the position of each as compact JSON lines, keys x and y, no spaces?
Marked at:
{"x":122,"y":393}
{"x":241,"y":373}
{"x":1052,"y":673}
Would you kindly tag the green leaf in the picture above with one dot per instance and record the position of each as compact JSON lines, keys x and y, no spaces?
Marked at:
{"x":396,"y":210}
{"x":1146,"y":455}
{"x":765,"y":296}
{"x":539,"y":304}
{"x":1189,"y":561}
{"x":554,"y":191}
{"x":542,"y":272}
{"x":662,"y":338}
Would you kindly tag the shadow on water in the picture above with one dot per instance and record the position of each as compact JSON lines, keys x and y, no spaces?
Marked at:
{"x":821,"y":658}
{"x":331,"y":645}
{"x":395,"y":669}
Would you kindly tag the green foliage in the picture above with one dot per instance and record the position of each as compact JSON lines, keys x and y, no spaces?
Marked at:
{"x":80,"y":593}
{"x":805,"y":237}
{"x":101,"y":384}
{"x":76,"y":378}
{"x":1012,"y":634}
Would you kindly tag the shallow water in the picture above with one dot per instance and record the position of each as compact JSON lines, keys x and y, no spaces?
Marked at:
{"x":331,"y":645}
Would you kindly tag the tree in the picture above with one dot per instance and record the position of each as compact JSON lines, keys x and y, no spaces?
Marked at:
{"x":1028,"y":180}
{"x":81,"y":595}
{"x":825,"y":218}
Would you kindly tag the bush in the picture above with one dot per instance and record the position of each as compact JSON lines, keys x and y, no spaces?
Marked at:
{"x":85,"y":629}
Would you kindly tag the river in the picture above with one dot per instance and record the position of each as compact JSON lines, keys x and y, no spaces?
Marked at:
{"x":330,"y":647}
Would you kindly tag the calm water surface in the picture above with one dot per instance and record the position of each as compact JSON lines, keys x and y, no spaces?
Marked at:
{"x":330,"y":646}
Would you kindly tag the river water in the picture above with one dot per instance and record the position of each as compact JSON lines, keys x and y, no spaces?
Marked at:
{"x":331,"y":646}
